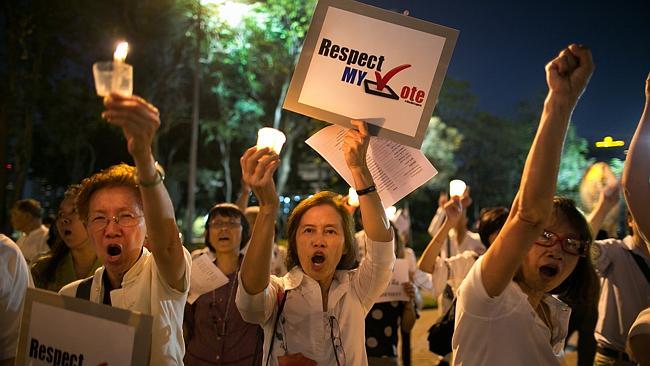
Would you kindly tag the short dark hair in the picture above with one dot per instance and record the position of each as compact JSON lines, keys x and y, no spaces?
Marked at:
{"x":350,"y":254}
{"x":29,"y":206}
{"x":491,"y":220}
{"x":120,"y":175}
{"x":580,"y":284}
{"x":227,"y":210}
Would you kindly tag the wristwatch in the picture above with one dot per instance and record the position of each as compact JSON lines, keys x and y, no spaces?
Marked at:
{"x":160,"y":177}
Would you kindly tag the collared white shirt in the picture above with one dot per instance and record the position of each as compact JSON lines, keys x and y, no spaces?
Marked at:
{"x":145,"y":291}
{"x":505,"y":330}
{"x":34,"y":244}
{"x":14,"y":280}
{"x":625,"y":291}
{"x":304,"y":326}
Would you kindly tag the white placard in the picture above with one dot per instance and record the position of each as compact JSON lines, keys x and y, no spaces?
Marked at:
{"x":367,"y":63}
{"x":205,"y":277}
{"x":397,"y":170}
{"x":59,"y":330}
{"x":395,"y":290}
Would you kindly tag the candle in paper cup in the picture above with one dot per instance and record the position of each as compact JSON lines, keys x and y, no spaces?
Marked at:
{"x":457,"y":188}
{"x":114,"y":76}
{"x":390,"y":212}
{"x":272,"y":138}
{"x":353,"y":198}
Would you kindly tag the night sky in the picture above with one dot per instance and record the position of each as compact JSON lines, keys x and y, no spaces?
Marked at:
{"x":504,"y":45}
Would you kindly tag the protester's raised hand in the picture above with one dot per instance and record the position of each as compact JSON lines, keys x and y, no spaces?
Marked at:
{"x":258,"y":167}
{"x":138,"y":119}
{"x":453,"y":210}
{"x":610,"y":196}
{"x":355,"y":145}
{"x":570,"y":71}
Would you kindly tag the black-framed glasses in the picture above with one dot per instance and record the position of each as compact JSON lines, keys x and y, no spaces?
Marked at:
{"x":569,"y":245}
{"x":335,"y":334}
{"x":98,"y":222}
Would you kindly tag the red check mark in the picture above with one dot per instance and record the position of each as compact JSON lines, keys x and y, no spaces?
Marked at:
{"x":382,"y":81}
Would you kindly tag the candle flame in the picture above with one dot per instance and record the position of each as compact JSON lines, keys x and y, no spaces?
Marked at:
{"x":121,"y":51}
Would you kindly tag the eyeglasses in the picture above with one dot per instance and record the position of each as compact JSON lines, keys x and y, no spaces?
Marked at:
{"x":569,"y":245}
{"x":335,"y":334}
{"x":125,"y":219}
{"x":216,"y":224}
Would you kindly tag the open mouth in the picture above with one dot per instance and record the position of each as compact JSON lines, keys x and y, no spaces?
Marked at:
{"x":114,"y":250}
{"x":224,"y":238}
{"x":67,"y":232}
{"x":548,"y":270}
{"x":318,"y":259}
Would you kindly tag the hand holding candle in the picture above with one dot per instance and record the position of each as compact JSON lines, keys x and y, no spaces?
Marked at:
{"x":114,"y":76}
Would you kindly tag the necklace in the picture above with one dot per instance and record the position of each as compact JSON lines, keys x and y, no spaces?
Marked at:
{"x":221,"y":331}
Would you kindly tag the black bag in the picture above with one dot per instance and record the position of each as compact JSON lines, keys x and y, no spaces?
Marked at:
{"x":442,"y":331}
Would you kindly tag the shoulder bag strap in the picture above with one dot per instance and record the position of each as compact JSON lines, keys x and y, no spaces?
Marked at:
{"x":83,"y":290}
{"x":275,"y":324}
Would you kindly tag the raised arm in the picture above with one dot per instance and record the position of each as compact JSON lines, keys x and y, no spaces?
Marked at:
{"x":242,"y":200}
{"x":608,"y":198}
{"x":453,"y":211}
{"x":139,"y":121}
{"x":258,"y":167}
{"x":355,"y":147}
{"x":636,"y":174}
{"x":567,"y":76}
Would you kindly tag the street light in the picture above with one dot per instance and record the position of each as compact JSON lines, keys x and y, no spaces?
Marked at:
{"x":608,"y":141}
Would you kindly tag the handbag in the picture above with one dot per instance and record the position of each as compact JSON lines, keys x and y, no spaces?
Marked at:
{"x":442,"y":331}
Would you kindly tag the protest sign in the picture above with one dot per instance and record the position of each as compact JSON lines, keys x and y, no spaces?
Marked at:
{"x":61,"y":330}
{"x":366,"y":63}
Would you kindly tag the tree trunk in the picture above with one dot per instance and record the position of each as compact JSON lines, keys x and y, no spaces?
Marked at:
{"x":224,"y":150}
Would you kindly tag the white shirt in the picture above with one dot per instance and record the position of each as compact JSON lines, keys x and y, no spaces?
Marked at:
{"x":451,"y":271}
{"x":624,"y":291}
{"x":451,"y":247}
{"x":505,"y":330}
{"x":303,"y":323}
{"x":145,"y":291}
{"x":14,"y":280}
{"x":34,"y":244}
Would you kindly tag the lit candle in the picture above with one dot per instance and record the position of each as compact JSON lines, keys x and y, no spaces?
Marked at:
{"x":457,"y":188}
{"x":353,"y":198}
{"x":272,"y":138}
{"x":121,"y":51}
{"x":390,"y":212}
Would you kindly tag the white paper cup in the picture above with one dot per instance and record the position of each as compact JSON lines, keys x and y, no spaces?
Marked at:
{"x":353,"y":198}
{"x":113,"y":76}
{"x":390,"y":212}
{"x":272,"y":138}
{"x":457,"y":188}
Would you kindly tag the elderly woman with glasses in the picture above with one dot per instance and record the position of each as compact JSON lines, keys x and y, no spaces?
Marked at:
{"x":124,"y":207}
{"x":215,"y":332}
{"x":315,"y":313}
{"x":505,"y":314}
